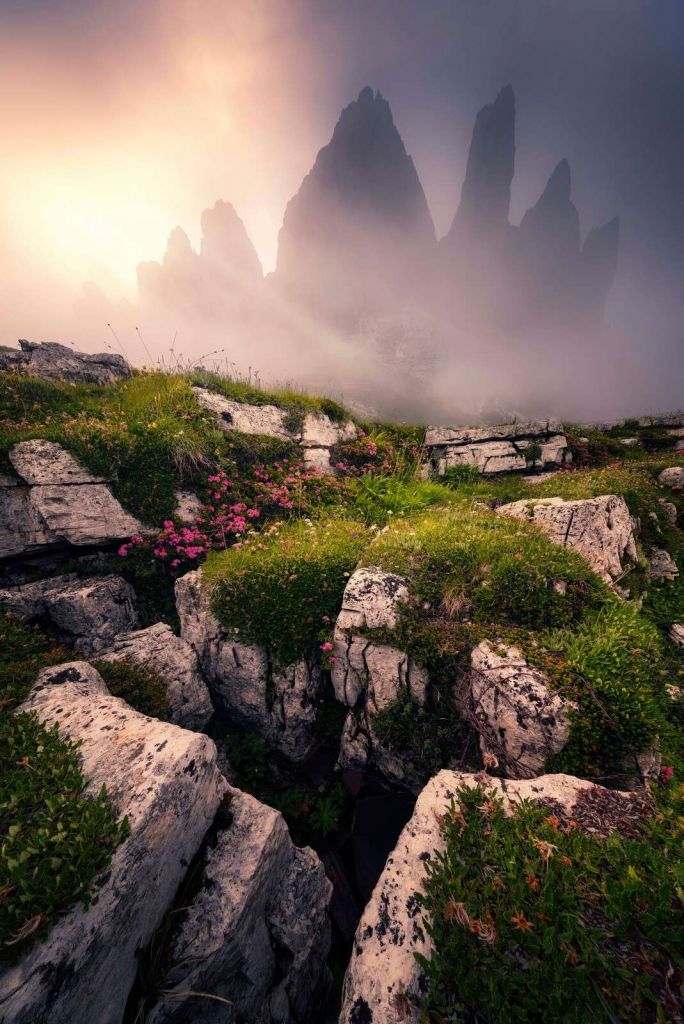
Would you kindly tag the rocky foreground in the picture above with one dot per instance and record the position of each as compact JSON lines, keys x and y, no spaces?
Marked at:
{"x":490,"y":628}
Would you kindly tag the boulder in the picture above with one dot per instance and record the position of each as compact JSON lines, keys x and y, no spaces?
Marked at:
{"x":317,"y":434}
{"x":187,"y":507}
{"x":383,"y":969}
{"x":57,"y":362}
{"x":85,"y":612}
{"x":504,"y":448}
{"x":175,"y":660}
{"x":368,"y":677}
{"x":601,"y":529}
{"x":56,"y":503}
{"x":521,"y":721}
{"x":672,"y":477}
{"x":677,"y":634}
{"x":661,"y":565}
{"x":257,"y":932}
{"x":281,"y":706}
{"x":670,"y":511}
{"x":165,"y":781}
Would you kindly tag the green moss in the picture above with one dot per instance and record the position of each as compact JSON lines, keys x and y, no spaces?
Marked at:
{"x":280,"y":589}
{"x":612,"y":659}
{"x":54,"y":840}
{"x":532,"y":919}
{"x":493,"y":568}
{"x":428,"y":737}
{"x":139,"y":685}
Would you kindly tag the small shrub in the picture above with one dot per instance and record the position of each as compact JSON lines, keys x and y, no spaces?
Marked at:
{"x":280,"y":588}
{"x":531,"y":919}
{"x":139,"y":685}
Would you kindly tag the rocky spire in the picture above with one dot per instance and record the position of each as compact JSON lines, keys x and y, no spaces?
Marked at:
{"x":486,"y":192}
{"x":599,"y":263}
{"x":361,"y":210}
{"x":551,"y":227}
{"x":226,"y":246}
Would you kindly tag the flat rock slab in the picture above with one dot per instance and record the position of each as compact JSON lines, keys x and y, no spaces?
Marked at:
{"x":601,"y":529}
{"x":391,"y":930}
{"x":257,"y":933}
{"x":502,"y":448}
{"x":56,"y":502}
{"x":86,"y":612}
{"x":52,"y":361}
{"x":175,"y":660}
{"x":165,"y":780}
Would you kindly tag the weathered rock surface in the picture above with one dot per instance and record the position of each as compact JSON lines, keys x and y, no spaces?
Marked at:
{"x":56,"y":503}
{"x":601,"y":529}
{"x":176,"y":661}
{"x":166,"y":781}
{"x":317,"y":434}
{"x":383,"y":968}
{"x":256,"y":934}
{"x":85,"y":612}
{"x":661,"y":565}
{"x":677,"y":634}
{"x":188,"y":507}
{"x":57,"y":362}
{"x":670,"y":510}
{"x":498,"y":449}
{"x":282,"y":707}
{"x":672,"y":477}
{"x":521,"y":721}
{"x":368,"y":677}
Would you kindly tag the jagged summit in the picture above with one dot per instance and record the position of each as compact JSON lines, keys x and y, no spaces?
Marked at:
{"x":360,"y":207}
{"x":225,"y":242}
{"x":486,"y":192}
{"x":552,"y":227}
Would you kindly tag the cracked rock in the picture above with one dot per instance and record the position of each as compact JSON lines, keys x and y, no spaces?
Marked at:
{"x":165,"y":780}
{"x":281,"y":706}
{"x":175,"y":660}
{"x":85,"y":612}
{"x":508,"y":447}
{"x":600,"y":529}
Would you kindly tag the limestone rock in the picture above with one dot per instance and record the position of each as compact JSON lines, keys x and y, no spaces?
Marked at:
{"x":86,"y":612}
{"x":57,"y":362}
{"x":383,"y":967}
{"x":317,"y":435}
{"x":661,"y":565}
{"x":246,"y":419}
{"x":672,"y":477}
{"x":176,"y":662}
{"x":56,"y":503}
{"x":257,"y":933}
{"x":165,"y":781}
{"x":677,"y":634}
{"x":670,"y":510}
{"x":521,"y":721}
{"x":601,"y":529}
{"x":282,"y":707}
{"x":502,"y":448}
{"x":187,"y":508}
{"x":368,"y":677}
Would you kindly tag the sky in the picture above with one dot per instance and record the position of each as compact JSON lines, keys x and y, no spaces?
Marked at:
{"x":120,"y":120}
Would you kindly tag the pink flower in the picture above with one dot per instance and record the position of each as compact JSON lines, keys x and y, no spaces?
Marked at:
{"x":327,"y":646}
{"x":666,"y":773}
{"x":123,"y":550}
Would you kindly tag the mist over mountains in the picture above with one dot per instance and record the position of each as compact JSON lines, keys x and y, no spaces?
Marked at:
{"x":365,"y":294}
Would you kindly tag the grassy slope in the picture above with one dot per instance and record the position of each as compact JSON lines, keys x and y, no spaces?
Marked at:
{"x":473,"y":574}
